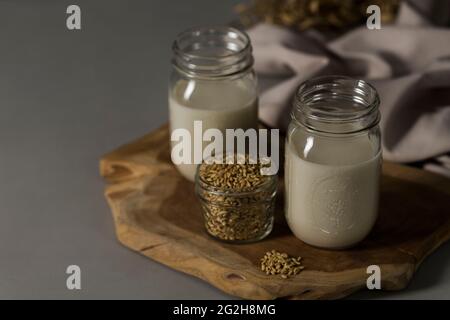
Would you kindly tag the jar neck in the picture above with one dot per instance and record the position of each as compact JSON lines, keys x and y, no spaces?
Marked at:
{"x":212,"y":52}
{"x":336,"y":104}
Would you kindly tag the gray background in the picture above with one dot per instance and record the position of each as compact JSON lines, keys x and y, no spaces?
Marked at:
{"x":66,"y":98}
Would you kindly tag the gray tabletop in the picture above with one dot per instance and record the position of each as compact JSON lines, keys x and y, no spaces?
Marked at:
{"x":66,"y":98}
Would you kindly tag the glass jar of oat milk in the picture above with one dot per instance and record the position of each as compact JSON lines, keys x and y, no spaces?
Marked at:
{"x":333,"y":162}
{"x":212,"y":81}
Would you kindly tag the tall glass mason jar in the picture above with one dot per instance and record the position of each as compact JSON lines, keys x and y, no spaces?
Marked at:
{"x":333,"y":162}
{"x":212,"y":81}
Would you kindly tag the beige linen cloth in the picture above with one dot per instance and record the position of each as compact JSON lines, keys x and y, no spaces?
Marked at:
{"x":408,"y":62}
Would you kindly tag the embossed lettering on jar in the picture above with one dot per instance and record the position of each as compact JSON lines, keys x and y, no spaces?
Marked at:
{"x":333,"y":162}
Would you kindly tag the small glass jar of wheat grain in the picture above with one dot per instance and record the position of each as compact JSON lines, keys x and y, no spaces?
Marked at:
{"x":238,"y":202}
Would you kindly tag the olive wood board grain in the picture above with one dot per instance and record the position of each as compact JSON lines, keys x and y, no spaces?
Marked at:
{"x":156,"y":213}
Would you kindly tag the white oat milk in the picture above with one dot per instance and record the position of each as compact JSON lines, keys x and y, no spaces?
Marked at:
{"x":225,"y":106}
{"x":333,"y":204}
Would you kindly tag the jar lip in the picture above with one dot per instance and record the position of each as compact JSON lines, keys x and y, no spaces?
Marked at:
{"x":336,"y":104}
{"x":270,"y":181}
{"x":196,"y":32}
{"x":213,"y":51}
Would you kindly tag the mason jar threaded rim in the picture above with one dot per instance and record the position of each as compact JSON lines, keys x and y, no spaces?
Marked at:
{"x":336,"y":104}
{"x":215,"y":51}
{"x":270,"y":184}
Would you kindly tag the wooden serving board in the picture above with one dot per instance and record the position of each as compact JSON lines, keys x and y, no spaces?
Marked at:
{"x":157,"y":214}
